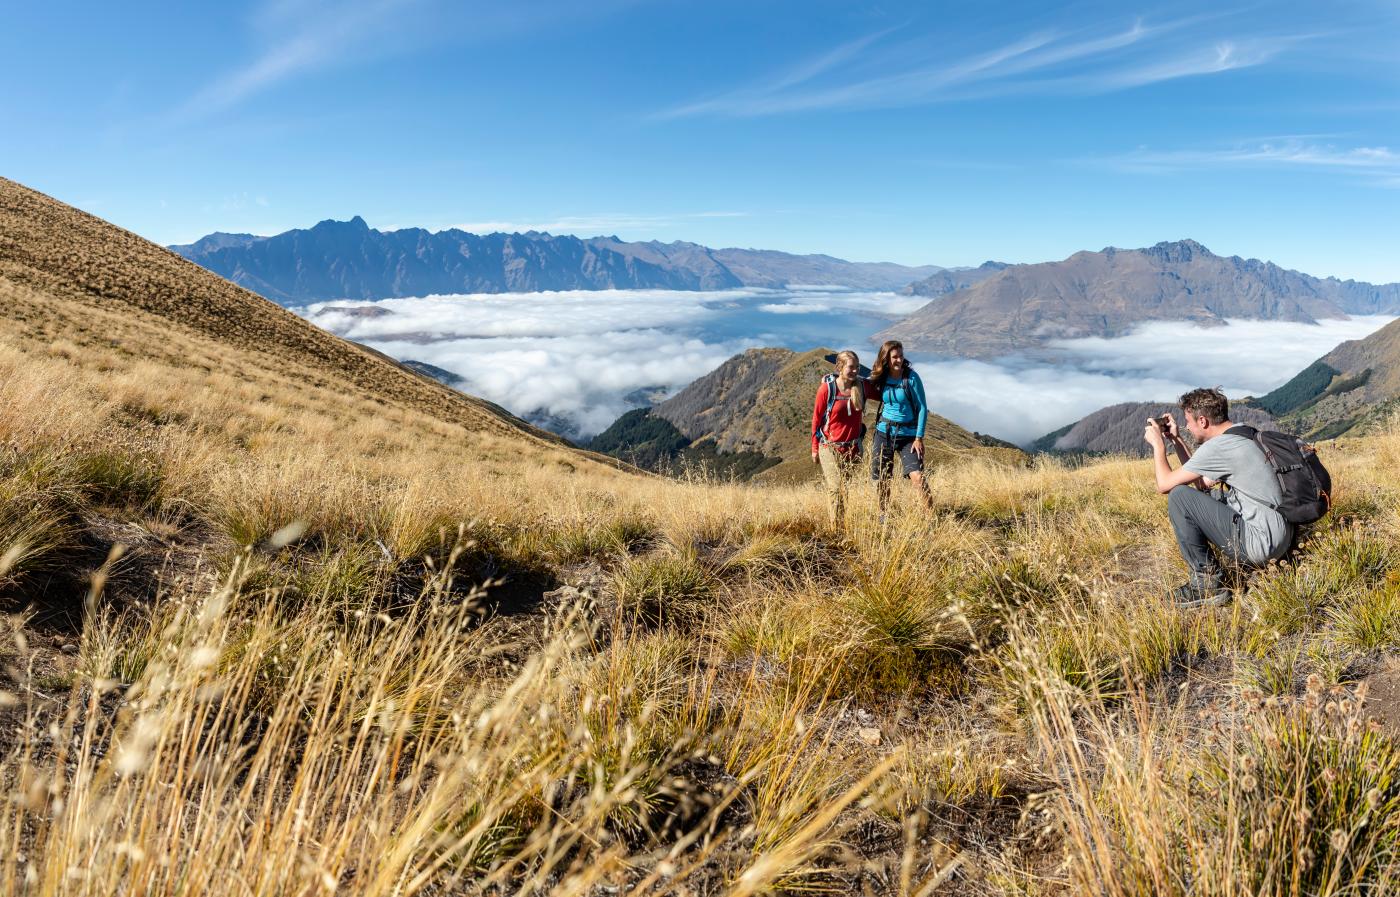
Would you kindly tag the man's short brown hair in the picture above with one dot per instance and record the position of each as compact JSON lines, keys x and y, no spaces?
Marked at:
{"x":1210,"y":403}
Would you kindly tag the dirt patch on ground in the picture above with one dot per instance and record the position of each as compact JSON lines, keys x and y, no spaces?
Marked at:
{"x":1383,"y":696}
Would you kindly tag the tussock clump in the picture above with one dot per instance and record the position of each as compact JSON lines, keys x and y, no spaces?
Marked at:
{"x":118,"y":477}
{"x":1098,"y":648}
{"x":1337,"y":565}
{"x":954,"y":764}
{"x":1312,"y":800}
{"x":1278,"y":671}
{"x":349,"y":575}
{"x":601,"y":540}
{"x":38,"y":538}
{"x":664,"y":588}
{"x":1370,"y":622}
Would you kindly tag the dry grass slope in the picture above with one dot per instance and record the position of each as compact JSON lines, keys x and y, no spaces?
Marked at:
{"x":349,"y":645}
{"x":85,"y":266}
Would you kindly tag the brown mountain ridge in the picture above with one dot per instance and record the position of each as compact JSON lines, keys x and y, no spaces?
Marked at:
{"x":1355,"y":388}
{"x":1024,"y":307}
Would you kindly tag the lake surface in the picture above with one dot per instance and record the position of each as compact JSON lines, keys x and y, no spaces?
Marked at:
{"x":574,"y":361}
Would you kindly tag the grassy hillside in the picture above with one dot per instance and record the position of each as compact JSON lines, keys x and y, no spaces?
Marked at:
{"x":1353,"y":389}
{"x":640,"y":437}
{"x":350,"y":646}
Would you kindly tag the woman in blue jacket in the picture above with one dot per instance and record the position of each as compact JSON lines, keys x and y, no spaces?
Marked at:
{"x":900,"y":429}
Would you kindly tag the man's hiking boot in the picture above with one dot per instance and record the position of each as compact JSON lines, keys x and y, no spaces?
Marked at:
{"x":1189,"y":595}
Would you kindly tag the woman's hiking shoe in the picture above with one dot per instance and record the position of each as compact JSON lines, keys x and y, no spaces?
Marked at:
{"x":1189,"y":595}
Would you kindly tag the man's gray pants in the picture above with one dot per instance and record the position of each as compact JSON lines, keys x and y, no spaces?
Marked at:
{"x":1200,"y":521}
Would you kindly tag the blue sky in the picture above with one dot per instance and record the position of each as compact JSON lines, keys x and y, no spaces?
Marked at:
{"x":919,"y":133}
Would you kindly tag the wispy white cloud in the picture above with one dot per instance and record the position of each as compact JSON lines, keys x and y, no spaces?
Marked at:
{"x":1379,"y":164}
{"x":303,"y":35}
{"x":297,"y":37}
{"x":873,"y":72}
{"x":1224,"y":56}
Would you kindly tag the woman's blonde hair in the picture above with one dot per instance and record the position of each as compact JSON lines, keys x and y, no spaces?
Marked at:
{"x":847,"y":353}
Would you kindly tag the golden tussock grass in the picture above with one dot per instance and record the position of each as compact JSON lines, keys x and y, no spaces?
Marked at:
{"x":989,"y":698}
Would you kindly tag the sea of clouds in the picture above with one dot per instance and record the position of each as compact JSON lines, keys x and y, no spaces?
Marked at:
{"x":577,"y":359}
{"x":573,"y":358}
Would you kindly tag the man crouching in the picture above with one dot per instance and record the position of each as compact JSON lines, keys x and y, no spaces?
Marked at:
{"x":1242,"y":522}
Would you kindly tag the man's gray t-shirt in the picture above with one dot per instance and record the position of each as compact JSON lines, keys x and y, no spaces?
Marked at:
{"x":1254,"y":494}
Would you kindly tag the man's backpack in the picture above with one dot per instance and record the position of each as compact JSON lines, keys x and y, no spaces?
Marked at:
{"x":1305,"y":484}
{"x":829,"y":381}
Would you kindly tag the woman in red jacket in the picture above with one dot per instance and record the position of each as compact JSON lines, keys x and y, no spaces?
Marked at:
{"x":837,"y":429}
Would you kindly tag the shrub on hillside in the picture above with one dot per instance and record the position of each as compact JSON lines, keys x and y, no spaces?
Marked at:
{"x":1307,"y":385}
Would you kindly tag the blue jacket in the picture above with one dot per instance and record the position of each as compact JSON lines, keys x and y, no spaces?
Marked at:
{"x":900,"y":417}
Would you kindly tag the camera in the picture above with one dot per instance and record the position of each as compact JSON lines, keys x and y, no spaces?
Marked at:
{"x":1164,"y":423}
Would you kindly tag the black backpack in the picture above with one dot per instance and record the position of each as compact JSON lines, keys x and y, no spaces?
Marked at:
{"x":1305,"y":484}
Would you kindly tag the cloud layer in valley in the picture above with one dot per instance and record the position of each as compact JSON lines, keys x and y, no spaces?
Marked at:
{"x":571,"y":359}
{"x":1021,"y":400}
{"x":575,"y":360}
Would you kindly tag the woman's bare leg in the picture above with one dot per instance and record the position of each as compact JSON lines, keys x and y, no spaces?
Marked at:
{"x":917,"y":478}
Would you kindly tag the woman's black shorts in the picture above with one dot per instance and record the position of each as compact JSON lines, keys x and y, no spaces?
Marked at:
{"x":882,"y":452}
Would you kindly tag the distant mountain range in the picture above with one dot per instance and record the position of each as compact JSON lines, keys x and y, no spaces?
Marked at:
{"x":1023,"y":307}
{"x":758,"y":405}
{"x":351,"y":260}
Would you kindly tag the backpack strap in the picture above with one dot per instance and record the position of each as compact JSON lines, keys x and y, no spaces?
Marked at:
{"x":880,"y":410}
{"x":1252,"y":434}
{"x":829,"y":381}
{"x":908,"y":400}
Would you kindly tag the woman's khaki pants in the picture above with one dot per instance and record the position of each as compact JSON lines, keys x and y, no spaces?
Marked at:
{"x":836,"y":470}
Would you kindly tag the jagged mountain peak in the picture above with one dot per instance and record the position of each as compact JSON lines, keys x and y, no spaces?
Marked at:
{"x":355,"y":224}
{"x":349,"y":259}
{"x":1172,"y":251}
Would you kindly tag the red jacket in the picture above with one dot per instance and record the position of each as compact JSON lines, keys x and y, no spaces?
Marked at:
{"x":844,"y":426}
